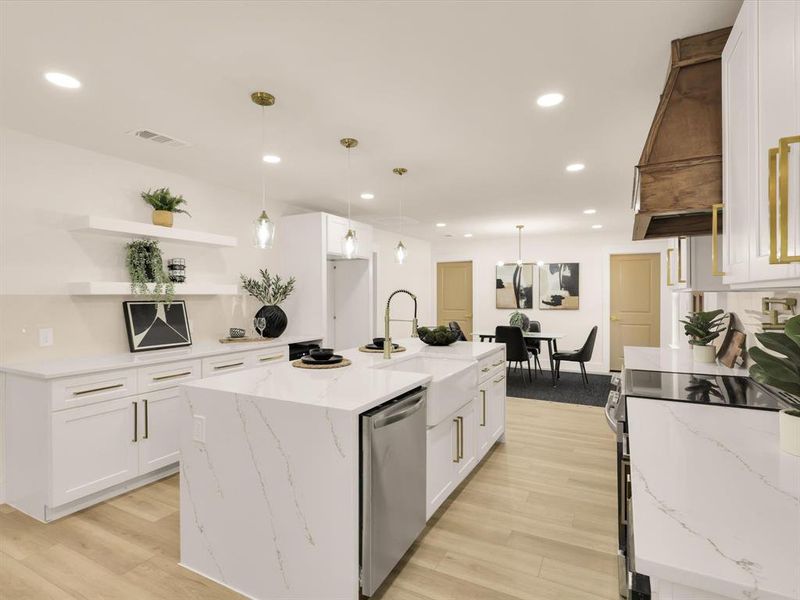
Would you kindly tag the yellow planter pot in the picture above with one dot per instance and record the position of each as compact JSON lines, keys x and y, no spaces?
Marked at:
{"x":162,"y":217}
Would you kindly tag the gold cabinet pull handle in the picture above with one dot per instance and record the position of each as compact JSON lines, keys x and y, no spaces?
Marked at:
{"x":100,"y":389}
{"x":485,"y":370}
{"x":228,"y":366}
{"x":783,"y":197}
{"x":772,"y":196}
{"x":460,"y":437}
{"x":171,"y":375}
{"x":270,"y":357}
{"x":499,"y":379}
{"x":715,"y":240}
{"x":498,"y":363}
{"x":681,"y":240}
{"x":670,"y":283}
{"x":483,"y":413}
{"x":458,"y":440}
{"x":135,"y":421}
{"x":146,"y":421}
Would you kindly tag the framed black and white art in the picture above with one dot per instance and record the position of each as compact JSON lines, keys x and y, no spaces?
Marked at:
{"x":514,"y":286}
{"x":559,"y":286}
{"x":154,"y":325}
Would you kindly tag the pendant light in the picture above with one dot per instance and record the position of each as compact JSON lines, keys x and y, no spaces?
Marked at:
{"x":519,"y":245}
{"x":400,"y":251}
{"x":263,"y":227}
{"x":349,"y":241}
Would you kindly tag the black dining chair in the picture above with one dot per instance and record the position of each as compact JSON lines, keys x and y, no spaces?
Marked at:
{"x":456,"y":328}
{"x":535,"y":346}
{"x":516,"y":351}
{"x":582,"y":355}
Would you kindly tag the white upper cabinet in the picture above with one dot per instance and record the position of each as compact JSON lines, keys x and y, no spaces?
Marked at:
{"x":337,"y":228}
{"x":761,"y":149}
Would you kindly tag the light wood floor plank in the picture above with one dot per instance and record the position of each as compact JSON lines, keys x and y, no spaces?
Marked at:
{"x":537,"y":520}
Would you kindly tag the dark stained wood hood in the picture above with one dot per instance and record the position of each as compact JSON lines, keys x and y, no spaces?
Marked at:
{"x":679,"y":175}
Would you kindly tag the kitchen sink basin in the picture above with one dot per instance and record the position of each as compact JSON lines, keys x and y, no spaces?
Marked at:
{"x":454,"y":383}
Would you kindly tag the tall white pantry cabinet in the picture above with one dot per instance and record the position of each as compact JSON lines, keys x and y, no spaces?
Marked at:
{"x":761,"y":146}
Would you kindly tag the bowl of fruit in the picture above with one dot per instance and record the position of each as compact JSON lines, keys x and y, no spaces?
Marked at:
{"x":437,"y":336}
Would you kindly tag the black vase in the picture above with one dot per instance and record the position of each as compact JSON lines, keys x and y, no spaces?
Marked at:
{"x":276,"y":320}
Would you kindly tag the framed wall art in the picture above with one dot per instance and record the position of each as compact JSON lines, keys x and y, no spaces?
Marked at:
{"x":154,"y":325}
{"x":559,"y":286}
{"x":514,"y":285}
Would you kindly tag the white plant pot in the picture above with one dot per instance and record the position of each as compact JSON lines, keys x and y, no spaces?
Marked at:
{"x":704,"y":354}
{"x":789,"y":427}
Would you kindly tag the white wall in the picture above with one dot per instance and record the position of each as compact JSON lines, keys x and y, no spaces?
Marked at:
{"x":591,"y":250}
{"x":414,"y":276}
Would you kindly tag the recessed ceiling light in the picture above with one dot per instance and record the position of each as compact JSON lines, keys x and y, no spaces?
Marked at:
{"x":62,"y":80}
{"x":367,"y":196}
{"x":441,"y":224}
{"x":272,"y":159}
{"x":590,"y":211}
{"x":551,"y":99}
{"x":467,"y":235}
{"x":575,"y":167}
{"x":597,"y":226}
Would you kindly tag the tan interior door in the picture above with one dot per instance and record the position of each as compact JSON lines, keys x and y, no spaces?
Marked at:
{"x":635,"y":303}
{"x":454,"y":295}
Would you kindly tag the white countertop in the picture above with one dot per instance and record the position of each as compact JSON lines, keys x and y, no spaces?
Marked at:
{"x":669,"y":360}
{"x":68,"y":367}
{"x":355,"y":388}
{"x":716,"y":504}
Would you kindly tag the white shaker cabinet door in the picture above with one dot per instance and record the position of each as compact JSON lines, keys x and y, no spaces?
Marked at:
{"x":739,"y":147}
{"x":468,"y":443}
{"x":442,"y":456}
{"x":496,"y":415}
{"x":158,"y":429}
{"x":93,"y":448}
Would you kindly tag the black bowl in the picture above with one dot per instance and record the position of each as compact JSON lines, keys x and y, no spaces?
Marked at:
{"x":378,"y":342}
{"x":321,"y":353}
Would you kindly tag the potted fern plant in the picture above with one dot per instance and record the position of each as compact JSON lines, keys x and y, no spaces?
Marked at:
{"x":780,"y":368}
{"x":165,"y":205}
{"x":270,"y":291}
{"x":703,"y":328}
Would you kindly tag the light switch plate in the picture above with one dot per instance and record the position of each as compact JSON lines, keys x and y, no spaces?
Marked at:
{"x":199,"y":429}
{"x":46,"y":336}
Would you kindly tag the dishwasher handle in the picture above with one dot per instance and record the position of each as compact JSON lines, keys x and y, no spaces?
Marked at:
{"x":399,"y":411}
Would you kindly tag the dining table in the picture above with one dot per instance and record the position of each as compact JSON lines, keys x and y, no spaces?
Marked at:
{"x":550,"y":338}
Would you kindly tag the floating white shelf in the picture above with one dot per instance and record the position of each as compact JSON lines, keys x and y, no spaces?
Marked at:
{"x":122,"y":228}
{"x":123,"y":288}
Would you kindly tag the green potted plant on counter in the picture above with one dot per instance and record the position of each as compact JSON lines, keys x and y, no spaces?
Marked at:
{"x":703,"y":328}
{"x":165,"y":205}
{"x":780,"y":369}
{"x":146,"y":271}
{"x":270,"y":291}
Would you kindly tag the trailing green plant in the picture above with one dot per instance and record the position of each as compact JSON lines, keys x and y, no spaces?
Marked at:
{"x":146,"y":266}
{"x":704,"y":327}
{"x":781,"y":369}
{"x":162,"y":199}
{"x":268,"y":290}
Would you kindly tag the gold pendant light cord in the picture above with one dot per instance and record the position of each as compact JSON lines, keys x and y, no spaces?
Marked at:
{"x":263,"y":164}
{"x":347,"y":190}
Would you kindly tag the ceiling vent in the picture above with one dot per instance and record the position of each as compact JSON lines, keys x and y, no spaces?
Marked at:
{"x":159,"y":138}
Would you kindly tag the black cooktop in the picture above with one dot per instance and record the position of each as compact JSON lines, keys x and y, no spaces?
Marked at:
{"x":724,"y":390}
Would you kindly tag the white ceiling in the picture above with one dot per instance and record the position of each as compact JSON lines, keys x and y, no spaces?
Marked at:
{"x":445,"y":89}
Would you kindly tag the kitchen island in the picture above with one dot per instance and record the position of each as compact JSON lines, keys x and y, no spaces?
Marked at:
{"x":270,"y":459}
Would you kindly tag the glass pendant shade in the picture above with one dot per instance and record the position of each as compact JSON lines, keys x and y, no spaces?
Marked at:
{"x":263,"y":231}
{"x":400,"y":253}
{"x":349,"y":244}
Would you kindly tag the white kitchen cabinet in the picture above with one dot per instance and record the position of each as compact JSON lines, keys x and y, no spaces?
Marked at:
{"x":93,"y":448}
{"x":442,"y":455}
{"x":491,"y":408}
{"x":689,"y":265}
{"x":467,"y":441}
{"x":158,"y":429}
{"x":228,"y":363}
{"x":761,"y":107}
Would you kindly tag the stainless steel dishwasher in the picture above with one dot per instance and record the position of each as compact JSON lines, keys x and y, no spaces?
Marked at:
{"x":393,"y":459}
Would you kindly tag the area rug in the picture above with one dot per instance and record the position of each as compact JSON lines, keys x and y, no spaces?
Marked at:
{"x":570,"y":388}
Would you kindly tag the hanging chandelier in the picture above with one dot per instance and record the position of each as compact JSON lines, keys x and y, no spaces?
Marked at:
{"x":263,"y":227}
{"x":349,"y":241}
{"x":400,"y":251}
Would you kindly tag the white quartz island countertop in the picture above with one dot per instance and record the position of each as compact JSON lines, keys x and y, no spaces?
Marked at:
{"x":673,"y":360}
{"x":270,"y":484}
{"x":716,"y":504}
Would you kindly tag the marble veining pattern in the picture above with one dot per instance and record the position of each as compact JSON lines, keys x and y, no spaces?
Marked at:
{"x":716,"y":504}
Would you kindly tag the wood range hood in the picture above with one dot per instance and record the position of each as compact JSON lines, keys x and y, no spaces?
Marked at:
{"x":679,"y":175}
